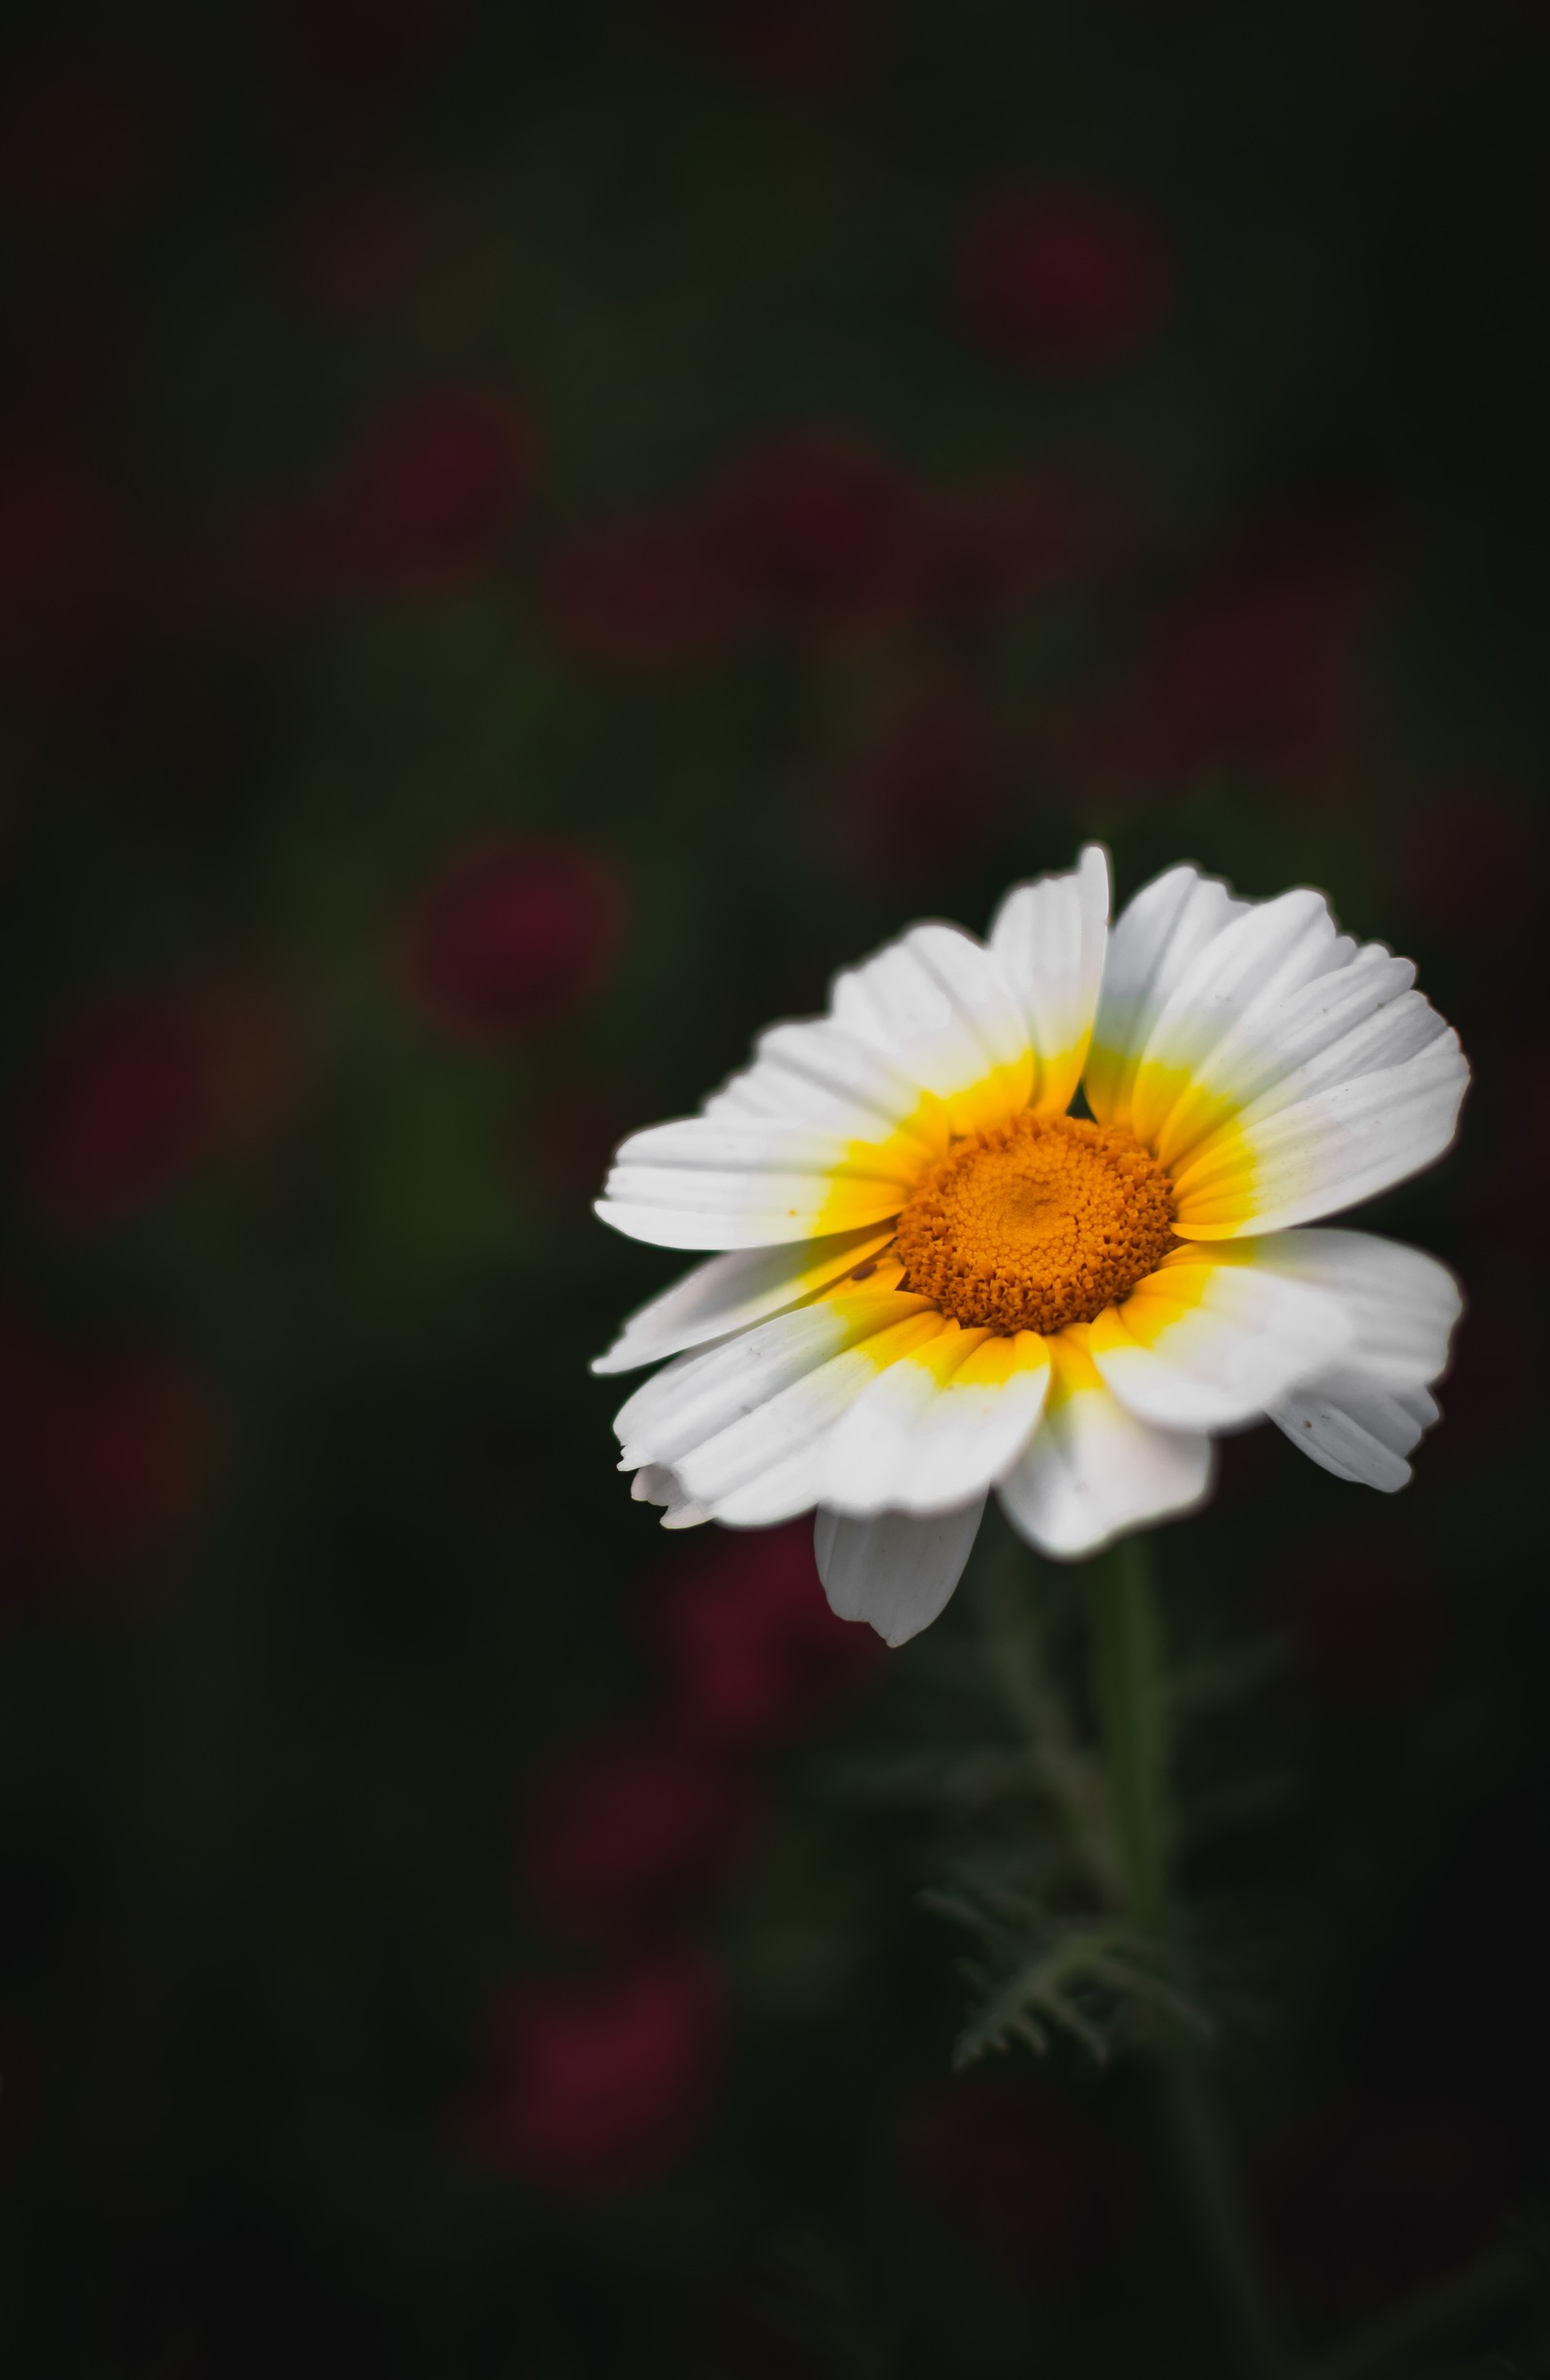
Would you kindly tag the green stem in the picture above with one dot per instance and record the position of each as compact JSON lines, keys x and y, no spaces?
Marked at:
{"x":1478,"y":2288}
{"x":1070,"y":1774}
{"x":1128,"y":1652}
{"x":1128,"y":1655}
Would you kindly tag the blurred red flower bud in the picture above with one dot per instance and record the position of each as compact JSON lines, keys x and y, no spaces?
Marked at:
{"x":1062,"y":281}
{"x":120,"y":1110}
{"x":512,"y":932}
{"x":626,"y":1830}
{"x":600,"y":2083}
{"x":429,"y":497}
{"x":754,"y":1654}
{"x":1017,"y":2172}
{"x":818,"y":532}
{"x":641,"y":594}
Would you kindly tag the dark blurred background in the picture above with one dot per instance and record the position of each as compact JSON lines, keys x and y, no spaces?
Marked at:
{"x":528,"y":539}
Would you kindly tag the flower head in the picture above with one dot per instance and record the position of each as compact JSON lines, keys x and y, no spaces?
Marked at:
{"x":936,"y":1280}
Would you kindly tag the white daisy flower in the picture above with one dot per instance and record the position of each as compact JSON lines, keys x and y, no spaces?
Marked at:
{"x":935,"y":1281}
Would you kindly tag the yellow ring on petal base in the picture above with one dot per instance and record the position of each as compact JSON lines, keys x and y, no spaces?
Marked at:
{"x":1036,"y":1224}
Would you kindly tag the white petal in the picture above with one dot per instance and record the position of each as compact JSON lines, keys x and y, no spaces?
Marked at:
{"x":699,"y":1393}
{"x":894,"y":1571}
{"x":742,"y":1425}
{"x":943,"y":1424}
{"x":1094,"y":1471}
{"x":1346,"y":1022}
{"x":1362,"y":1416}
{"x":1278,"y":1071}
{"x":732,"y":1290}
{"x":1207,"y":1344}
{"x":1049,"y":939}
{"x":1290,"y":1158}
{"x":831,"y":1126}
{"x":1244,"y":977}
{"x":1403,"y":1303}
{"x":714,"y":1182}
{"x":653,"y":1485}
{"x":816,"y":1074}
{"x":1358,"y":1430}
{"x":938,"y":1005}
{"x":1154,"y":941}
{"x":772,"y":1463}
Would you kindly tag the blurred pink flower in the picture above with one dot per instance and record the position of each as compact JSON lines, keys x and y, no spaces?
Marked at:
{"x":514,"y":931}
{"x":624,"y":1832}
{"x":429,"y":497}
{"x":1062,"y":281}
{"x":642,"y":593}
{"x":602,"y":2082}
{"x":754,"y":1654}
{"x":818,"y":532}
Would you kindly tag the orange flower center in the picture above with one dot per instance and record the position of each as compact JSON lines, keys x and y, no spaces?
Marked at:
{"x":1037,"y":1223}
